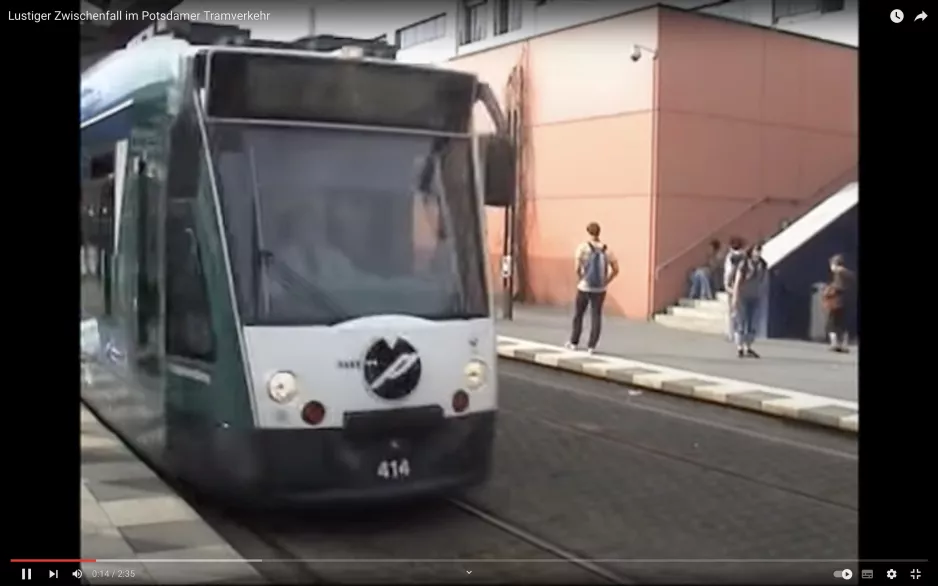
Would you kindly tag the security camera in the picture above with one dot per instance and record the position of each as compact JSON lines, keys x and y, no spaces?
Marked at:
{"x":636,"y":53}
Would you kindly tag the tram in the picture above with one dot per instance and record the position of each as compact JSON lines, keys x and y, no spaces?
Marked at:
{"x":285,"y":293}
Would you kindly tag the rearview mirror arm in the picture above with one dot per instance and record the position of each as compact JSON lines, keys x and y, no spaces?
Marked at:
{"x":488,"y":99}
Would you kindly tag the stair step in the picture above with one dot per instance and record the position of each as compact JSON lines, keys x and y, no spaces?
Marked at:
{"x":700,"y":313}
{"x":710,"y":305}
{"x":707,"y":326}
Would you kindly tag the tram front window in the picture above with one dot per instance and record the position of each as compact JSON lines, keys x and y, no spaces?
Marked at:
{"x":327,"y":225}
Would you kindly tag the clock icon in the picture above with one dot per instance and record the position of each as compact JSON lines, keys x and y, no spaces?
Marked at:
{"x":896,"y":16}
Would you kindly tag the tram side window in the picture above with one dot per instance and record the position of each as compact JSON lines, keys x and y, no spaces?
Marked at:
{"x":182,"y":181}
{"x":97,"y":224}
{"x":189,"y":332}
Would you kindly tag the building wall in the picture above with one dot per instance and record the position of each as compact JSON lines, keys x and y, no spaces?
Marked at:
{"x":838,"y":27}
{"x":752,"y":123}
{"x":589,"y":154}
{"x":371,"y":18}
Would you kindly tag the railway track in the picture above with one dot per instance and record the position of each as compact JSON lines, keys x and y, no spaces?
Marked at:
{"x":451,"y":539}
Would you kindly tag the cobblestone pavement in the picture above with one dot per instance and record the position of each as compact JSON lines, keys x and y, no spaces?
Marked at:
{"x":630,"y":479}
{"x":134,"y":521}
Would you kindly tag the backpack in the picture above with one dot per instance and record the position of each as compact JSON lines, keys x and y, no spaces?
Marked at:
{"x":594,"y":273}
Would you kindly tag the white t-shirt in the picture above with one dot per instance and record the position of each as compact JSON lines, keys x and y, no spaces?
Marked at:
{"x":581,"y":256}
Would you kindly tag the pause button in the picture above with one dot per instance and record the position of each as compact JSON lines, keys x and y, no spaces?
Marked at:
{"x":26,"y":574}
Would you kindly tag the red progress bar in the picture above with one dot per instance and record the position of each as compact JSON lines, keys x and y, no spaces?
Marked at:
{"x":51,"y":561}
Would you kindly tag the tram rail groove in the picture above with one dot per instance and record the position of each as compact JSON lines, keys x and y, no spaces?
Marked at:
{"x":629,"y":445}
{"x":560,"y":552}
{"x":244,"y":536}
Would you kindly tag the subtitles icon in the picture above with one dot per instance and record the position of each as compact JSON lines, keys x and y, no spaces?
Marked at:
{"x":866,"y":574}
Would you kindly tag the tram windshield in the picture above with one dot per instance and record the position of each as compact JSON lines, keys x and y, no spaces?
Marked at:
{"x":329,"y":225}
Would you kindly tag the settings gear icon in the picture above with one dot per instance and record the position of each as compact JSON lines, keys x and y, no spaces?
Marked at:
{"x":891,"y":574}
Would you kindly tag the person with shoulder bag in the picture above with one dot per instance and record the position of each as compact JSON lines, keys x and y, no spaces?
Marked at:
{"x":833,"y":299}
{"x":751,"y":273}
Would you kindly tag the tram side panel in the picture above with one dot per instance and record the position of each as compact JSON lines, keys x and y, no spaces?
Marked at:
{"x":130,"y":396}
{"x":208,"y":400}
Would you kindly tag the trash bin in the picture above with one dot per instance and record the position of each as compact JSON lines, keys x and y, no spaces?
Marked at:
{"x":816,"y":328}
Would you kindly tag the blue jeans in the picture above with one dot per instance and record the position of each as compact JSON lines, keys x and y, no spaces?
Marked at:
{"x":700,"y":286}
{"x":745,"y":321}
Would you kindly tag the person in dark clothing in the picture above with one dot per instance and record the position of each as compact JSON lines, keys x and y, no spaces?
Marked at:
{"x":834,"y":301}
{"x":751,"y":272}
{"x":596,"y":266}
{"x":705,"y":278}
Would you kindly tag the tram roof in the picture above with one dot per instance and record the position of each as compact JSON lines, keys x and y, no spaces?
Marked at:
{"x":117,"y":78}
{"x":100,"y":37}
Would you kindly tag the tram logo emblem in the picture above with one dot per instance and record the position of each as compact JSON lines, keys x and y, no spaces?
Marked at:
{"x":392,"y":368}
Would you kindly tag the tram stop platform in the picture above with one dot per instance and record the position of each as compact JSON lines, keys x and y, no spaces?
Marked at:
{"x":138,"y":529}
{"x":793,"y":379}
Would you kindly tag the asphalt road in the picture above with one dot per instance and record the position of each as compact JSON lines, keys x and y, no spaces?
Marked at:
{"x":651,"y":488}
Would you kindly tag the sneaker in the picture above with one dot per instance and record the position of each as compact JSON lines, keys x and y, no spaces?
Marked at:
{"x":752,"y":353}
{"x":590,"y":350}
{"x":741,"y":353}
{"x":570,"y":346}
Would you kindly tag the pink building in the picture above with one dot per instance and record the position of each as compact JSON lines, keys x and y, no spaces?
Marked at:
{"x":720,"y":128}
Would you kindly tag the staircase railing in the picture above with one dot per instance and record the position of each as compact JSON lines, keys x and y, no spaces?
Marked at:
{"x":838,"y":182}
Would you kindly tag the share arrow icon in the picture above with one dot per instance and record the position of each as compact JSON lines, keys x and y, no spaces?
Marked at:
{"x":921,"y":16}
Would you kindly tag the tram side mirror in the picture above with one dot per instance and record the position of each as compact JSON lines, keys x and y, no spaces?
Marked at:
{"x":499,"y":163}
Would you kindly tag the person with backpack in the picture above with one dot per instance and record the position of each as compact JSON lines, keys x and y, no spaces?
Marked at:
{"x":730,"y":262}
{"x":750,"y":276}
{"x":596,"y":266}
{"x":834,"y":300}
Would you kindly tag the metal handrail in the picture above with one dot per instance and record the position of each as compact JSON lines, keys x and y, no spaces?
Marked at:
{"x":840,"y":180}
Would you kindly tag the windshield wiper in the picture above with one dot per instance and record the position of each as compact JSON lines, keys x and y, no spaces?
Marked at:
{"x":294,"y":280}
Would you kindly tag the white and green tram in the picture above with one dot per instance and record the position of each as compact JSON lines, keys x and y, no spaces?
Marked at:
{"x":284,"y":276}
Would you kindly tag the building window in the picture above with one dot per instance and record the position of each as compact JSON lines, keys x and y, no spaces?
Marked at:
{"x":507,"y":16}
{"x":421,"y":32}
{"x":832,"y":5}
{"x":473,"y":21}
{"x":788,"y":8}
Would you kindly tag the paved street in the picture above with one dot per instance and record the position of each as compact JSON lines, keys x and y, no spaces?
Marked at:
{"x":628,"y":478}
{"x":801,"y":366}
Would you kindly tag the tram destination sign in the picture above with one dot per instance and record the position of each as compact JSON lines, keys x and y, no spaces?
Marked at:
{"x":341,"y":91}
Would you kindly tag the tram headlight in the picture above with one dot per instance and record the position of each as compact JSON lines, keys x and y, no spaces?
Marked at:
{"x":476,"y":373}
{"x":282,"y":387}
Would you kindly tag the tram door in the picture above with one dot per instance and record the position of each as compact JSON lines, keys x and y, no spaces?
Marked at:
{"x":148,"y":282}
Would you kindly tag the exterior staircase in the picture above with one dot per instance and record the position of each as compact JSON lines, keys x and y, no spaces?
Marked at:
{"x":698,"y":315}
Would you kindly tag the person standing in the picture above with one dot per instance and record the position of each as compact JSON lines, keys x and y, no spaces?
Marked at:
{"x":596,"y":266}
{"x":733,"y":256}
{"x":834,"y":301}
{"x":751,"y":273}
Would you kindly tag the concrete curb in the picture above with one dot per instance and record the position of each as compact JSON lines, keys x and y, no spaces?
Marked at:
{"x":135,"y":525}
{"x":785,"y":403}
